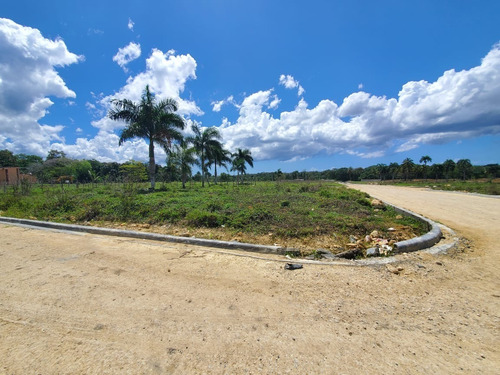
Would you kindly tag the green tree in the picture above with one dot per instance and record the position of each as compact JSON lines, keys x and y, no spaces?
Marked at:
{"x":279,"y":175}
{"x":133,"y":171}
{"x":393,"y":170}
{"x":240,"y":159}
{"x":183,"y":157}
{"x":225,"y":177}
{"x":7,"y":159}
{"x":492,"y":170}
{"x":437,"y":170}
{"x":53,"y":169}
{"x":219,"y":157}
{"x":83,"y":171}
{"x":464,"y":168}
{"x":449,"y":168}
{"x":24,"y":161}
{"x":407,"y":167}
{"x":55,"y":154}
{"x":383,"y":171}
{"x":154,"y":121}
{"x":424,"y":160}
{"x":206,"y":143}
{"x":171,"y":172}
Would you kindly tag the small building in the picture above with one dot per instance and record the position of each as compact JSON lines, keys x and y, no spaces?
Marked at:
{"x":9,"y":176}
{"x":12,"y":176}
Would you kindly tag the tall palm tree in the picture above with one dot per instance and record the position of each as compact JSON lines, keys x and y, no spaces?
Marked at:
{"x":393,"y":170}
{"x":240,"y":159}
{"x":205,"y":142}
{"x":464,"y":168}
{"x":382,"y":170}
{"x":219,"y":157}
{"x":407,"y":167}
{"x":424,"y":160}
{"x":183,"y":157}
{"x":154,"y":121}
{"x":449,"y":167}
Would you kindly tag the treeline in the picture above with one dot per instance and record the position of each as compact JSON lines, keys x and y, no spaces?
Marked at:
{"x":407,"y":170}
{"x":57,"y":167}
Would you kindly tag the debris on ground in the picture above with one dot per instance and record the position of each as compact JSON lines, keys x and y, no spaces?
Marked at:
{"x":293,"y":266}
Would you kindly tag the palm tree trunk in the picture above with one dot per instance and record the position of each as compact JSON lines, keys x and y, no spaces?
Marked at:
{"x":152,"y":164}
{"x":215,"y":179}
{"x":202,"y":170}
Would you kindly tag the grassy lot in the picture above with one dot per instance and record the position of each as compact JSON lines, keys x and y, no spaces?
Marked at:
{"x":483,"y":186}
{"x":305,"y":215}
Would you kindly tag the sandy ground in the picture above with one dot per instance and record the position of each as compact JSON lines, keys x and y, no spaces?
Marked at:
{"x":87,"y":304}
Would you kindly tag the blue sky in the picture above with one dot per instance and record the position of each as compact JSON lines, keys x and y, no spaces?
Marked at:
{"x":304,"y":85}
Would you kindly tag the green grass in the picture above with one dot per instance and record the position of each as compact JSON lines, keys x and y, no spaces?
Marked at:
{"x":287,"y":211}
{"x":489,"y":187}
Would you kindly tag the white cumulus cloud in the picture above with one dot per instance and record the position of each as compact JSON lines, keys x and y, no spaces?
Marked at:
{"x":27,"y":79}
{"x":217,"y":104}
{"x":456,"y":106}
{"x":129,"y":53}
{"x":290,"y":83}
{"x":166,"y":74}
{"x":130,"y":24}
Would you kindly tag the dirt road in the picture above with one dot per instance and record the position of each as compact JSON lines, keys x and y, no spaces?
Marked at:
{"x":88,"y":304}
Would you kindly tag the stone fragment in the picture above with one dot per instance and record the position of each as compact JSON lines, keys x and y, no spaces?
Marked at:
{"x":372,"y":252}
{"x":377,"y":203}
{"x":374,"y":234}
{"x":325,"y":253}
{"x":392,"y":269}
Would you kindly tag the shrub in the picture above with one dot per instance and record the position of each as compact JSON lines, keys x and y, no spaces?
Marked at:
{"x":325,"y":194}
{"x":171,"y":215}
{"x":198,"y":218}
{"x":90,"y":211}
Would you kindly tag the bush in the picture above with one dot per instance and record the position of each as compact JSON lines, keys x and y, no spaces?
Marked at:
{"x":90,"y":211}
{"x":304,"y":189}
{"x":198,"y":218}
{"x":325,"y":194}
{"x":171,"y":215}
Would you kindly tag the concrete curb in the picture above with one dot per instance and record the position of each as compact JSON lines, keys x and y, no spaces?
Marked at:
{"x":148,"y":236}
{"x":418,"y":243}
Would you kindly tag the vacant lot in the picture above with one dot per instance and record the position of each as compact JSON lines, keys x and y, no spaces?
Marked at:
{"x":303,"y":215}
{"x":92,"y":304}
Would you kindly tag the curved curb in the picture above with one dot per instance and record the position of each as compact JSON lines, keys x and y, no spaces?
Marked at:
{"x":418,"y":243}
{"x":148,"y":236}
